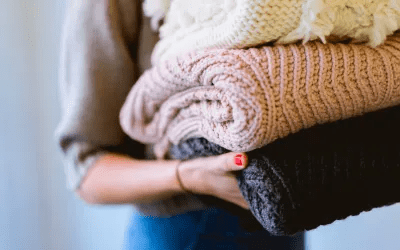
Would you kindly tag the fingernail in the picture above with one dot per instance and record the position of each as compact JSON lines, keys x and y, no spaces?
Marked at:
{"x":238,"y":160}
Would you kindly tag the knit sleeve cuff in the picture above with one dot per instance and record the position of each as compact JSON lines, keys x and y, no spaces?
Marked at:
{"x":78,"y":159}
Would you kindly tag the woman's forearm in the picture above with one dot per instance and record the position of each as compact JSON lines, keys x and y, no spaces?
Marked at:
{"x":118,"y":179}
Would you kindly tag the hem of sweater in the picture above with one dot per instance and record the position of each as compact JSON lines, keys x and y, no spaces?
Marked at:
{"x":179,"y":204}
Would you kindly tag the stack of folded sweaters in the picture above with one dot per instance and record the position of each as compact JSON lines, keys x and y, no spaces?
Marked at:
{"x":222,"y":80}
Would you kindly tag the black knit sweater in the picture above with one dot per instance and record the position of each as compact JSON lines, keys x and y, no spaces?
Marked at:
{"x":318,"y":175}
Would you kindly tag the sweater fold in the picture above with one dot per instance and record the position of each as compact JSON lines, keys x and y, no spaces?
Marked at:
{"x":244,"y":99}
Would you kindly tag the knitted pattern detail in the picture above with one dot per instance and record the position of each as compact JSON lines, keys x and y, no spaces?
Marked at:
{"x":244,"y":99}
{"x":318,"y":175}
{"x":192,"y":25}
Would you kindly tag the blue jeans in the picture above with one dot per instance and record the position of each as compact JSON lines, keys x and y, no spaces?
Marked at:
{"x":212,"y":228}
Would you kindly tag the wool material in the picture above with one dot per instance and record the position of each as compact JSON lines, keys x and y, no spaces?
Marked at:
{"x":243,"y":99}
{"x":191,"y":25}
{"x":319,"y":175}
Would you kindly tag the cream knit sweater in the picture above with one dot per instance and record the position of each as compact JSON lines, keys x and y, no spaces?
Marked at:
{"x":195,"y":25}
{"x":243,"y":99}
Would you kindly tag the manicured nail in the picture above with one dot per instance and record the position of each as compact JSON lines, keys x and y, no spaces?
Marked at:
{"x":238,"y":160}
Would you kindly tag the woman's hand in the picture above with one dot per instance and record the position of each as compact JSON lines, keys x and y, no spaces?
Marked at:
{"x":215,"y":176}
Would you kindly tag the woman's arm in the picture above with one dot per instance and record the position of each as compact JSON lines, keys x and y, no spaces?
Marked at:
{"x":116,"y":178}
{"x":119,"y":179}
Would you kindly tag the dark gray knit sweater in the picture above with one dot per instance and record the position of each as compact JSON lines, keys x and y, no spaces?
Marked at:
{"x":318,"y":175}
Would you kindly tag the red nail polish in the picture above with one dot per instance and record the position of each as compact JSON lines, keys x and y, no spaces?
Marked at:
{"x":238,"y":160}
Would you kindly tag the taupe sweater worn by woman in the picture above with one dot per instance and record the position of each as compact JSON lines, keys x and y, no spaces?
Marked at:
{"x":106,"y":45}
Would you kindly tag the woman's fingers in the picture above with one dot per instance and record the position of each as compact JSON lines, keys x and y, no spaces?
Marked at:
{"x":237,"y":198}
{"x":213,"y":176}
{"x":233,"y":161}
{"x":226,"y":186}
{"x":242,"y":203}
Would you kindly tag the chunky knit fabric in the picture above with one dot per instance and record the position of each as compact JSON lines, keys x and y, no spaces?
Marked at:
{"x":319,"y":175}
{"x":195,"y":25}
{"x":244,"y":99}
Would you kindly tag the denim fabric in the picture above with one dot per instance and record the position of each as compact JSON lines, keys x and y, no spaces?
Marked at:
{"x":212,"y":228}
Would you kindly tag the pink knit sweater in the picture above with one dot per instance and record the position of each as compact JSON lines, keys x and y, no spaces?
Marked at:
{"x":243,"y":99}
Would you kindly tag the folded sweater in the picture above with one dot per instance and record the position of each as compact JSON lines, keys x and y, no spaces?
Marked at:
{"x":319,"y":175}
{"x":195,"y":25}
{"x":243,"y":99}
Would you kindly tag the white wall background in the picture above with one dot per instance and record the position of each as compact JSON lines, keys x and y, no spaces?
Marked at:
{"x":36,"y":210}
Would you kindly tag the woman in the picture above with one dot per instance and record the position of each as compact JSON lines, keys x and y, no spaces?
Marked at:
{"x":105,"y":47}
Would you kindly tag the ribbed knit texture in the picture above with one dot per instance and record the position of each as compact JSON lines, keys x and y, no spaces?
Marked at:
{"x":319,"y":175}
{"x":192,"y":25}
{"x":246,"y":98}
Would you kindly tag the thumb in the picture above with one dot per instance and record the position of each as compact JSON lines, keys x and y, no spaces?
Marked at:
{"x":235,"y":161}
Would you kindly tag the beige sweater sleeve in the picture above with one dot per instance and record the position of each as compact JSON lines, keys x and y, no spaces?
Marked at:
{"x":97,"y":69}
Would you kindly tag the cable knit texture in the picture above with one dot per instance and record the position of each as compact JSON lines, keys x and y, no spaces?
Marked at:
{"x":319,"y":175}
{"x":191,"y":25}
{"x":243,"y":99}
